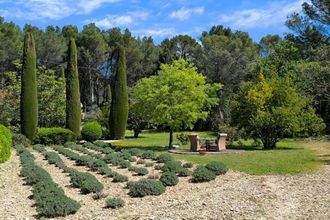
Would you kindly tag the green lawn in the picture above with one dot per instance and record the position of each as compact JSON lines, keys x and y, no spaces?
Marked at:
{"x":291,"y":157}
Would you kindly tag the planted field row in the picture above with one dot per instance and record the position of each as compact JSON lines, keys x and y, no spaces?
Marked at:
{"x":95,"y":165}
{"x":121,"y":159}
{"x":50,"y":200}
{"x":85,"y":181}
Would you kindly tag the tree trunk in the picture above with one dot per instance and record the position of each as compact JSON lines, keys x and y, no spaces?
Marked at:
{"x":171,"y":139}
{"x":136,"y":133}
{"x":269,"y":144}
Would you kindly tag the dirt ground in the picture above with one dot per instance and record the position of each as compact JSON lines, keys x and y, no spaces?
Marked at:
{"x":234,"y":195}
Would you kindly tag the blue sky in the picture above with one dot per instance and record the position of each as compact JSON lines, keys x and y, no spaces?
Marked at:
{"x":157,"y":18}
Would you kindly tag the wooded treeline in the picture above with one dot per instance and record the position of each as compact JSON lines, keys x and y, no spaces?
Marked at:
{"x":223,"y":55}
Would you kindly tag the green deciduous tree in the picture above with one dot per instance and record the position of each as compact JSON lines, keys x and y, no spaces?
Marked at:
{"x":73,"y":108}
{"x":176,"y":97}
{"x":29,"y":98}
{"x":270,"y":110}
{"x":119,"y":99}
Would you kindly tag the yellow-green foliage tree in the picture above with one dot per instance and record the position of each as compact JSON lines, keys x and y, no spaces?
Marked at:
{"x":271,"y":109}
{"x":176,"y":97}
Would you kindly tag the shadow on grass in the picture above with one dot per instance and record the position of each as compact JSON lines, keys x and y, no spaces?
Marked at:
{"x":154,"y":148}
{"x":258,"y":148}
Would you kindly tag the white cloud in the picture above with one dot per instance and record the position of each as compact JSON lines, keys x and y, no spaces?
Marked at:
{"x":156,"y":32}
{"x":185,"y":13}
{"x":112,"y":21}
{"x":90,"y":5}
{"x":52,"y":9}
{"x":271,"y":15}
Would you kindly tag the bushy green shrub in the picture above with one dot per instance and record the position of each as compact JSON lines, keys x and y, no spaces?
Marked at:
{"x":184,"y":172}
{"x":118,"y":178}
{"x":172,"y":166}
{"x":141,"y":161}
{"x":21,"y":139}
{"x":114,"y":203}
{"x":105,"y":150}
{"x":135,"y":152}
{"x":132,"y":159}
{"x":102,"y":144}
{"x":140,"y":171}
{"x":91,"y":131}
{"x":34,"y":174}
{"x":125,"y":155}
{"x":188,"y":165}
{"x":124,"y":164}
{"x":51,"y":200}
{"x":163,"y":158}
{"x":217,"y":167}
{"x":86,"y":182}
{"x":5,"y":143}
{"x":114,"y":159}
{"x":59,"y":205}
{"x":202,"y":174}
{"x":149,"y":154}
{"x":169,"y":179}
{"x":58,"y":136}
{"x":145,"y":187}
{"x":53,"y":158}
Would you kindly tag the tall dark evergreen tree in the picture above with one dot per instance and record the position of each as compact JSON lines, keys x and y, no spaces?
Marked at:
{"x":29,"y":98}
{"x":119,"y":97}
{"x":73,"y":108}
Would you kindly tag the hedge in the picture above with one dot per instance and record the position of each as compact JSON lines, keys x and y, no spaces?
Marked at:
{"x":55,"y":135}
{"x":5,"y":143}
{"x":91,"y":131}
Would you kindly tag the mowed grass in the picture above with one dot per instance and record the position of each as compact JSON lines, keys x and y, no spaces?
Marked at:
{"x":290,"y":157}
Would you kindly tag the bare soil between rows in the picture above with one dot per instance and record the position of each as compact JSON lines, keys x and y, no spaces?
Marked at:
{"x":234,"y":195}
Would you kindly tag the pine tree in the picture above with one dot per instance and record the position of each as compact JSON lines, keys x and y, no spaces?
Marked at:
{"x":119,"y":97}
{"x":29,"y":97}
{"x":73,"y":108}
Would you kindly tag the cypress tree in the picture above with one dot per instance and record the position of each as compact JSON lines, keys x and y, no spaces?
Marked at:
{"x":29,"y":97}
{"x":119,"y":97}
{"x":73,"y":108}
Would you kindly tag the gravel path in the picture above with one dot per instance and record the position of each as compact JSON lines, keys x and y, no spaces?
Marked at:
{"x":232,"y":196}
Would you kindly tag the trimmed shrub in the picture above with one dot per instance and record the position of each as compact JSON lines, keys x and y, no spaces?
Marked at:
{"x":217,"y":167}
{"x":124,"y":164}
{"x":169,"y":179}
{"x":86,"y":182}
{"x":149,"y":154}
{"x":53,"y":158}
{"x":172,"y":166}
{"x":73,"y":108}
{"x":5,"y":143}
{"x":145,"y":187}
{"x":135,"y":152}
{"x":140,"y":171}
{"x":118,"y":178}
{"x":34,"y":174}
{"x":114,"y":203}
{"x":29,"y":98}
{"x":202,"y":174}
{"x":59,"y":136}
{"x":119,"y":97}
{"x":21,"y":139}
{"x":91,"y":131}
{"x":188,"y":165}
{"x":51,"y":200}
{"x":163,"y":158}
{"x":114,"y":159}
{"x":184,"y":172}
{"x":102,"y":144}
{"x":141,"y":161}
